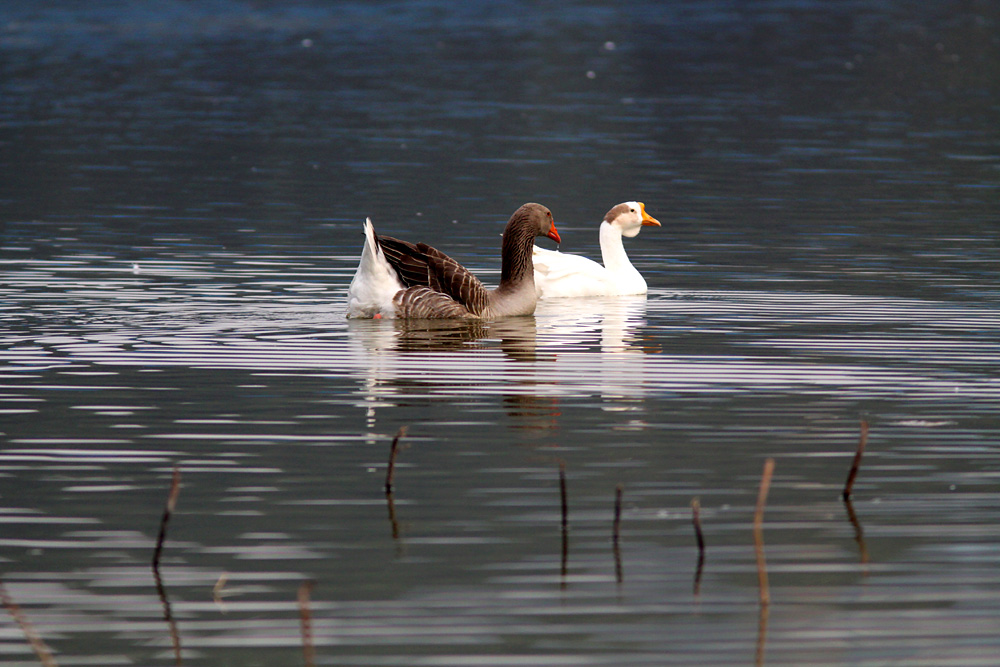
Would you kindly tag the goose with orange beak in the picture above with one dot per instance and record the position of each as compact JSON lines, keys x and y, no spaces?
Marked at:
{"x":559,"y":274}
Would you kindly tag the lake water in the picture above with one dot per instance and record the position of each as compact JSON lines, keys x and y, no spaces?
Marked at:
{"x":182,"y":193}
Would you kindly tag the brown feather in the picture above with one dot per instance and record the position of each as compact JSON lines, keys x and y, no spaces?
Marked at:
{"x":436,"y":286}
{"x":448,"y":276}
{"x":424,"y":303}
{"x":620,"y":209}
{"x":421,"y":265}
{"x":407,"y":259}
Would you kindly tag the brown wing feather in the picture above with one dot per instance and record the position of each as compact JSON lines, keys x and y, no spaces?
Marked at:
{"x":451,"y":278}
{"x":408,"y":261}
{"x":420,"y":265}
{"x":425,"y":303}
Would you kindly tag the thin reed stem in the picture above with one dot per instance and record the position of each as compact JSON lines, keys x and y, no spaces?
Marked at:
{"x":758,"y":532}
{"x":856,"y":464}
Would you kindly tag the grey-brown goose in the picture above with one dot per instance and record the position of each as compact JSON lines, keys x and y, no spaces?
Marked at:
{"x":413,"y":280}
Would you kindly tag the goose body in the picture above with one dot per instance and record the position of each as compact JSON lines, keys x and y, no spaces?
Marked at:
{"x":559,"y":274}
{"x":413,"y":280}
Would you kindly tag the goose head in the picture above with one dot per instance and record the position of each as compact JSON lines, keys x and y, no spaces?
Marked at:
{"x":546,"y":224}
{"x":516,"y":266}
{"x":630,"y":217}
{"x":536,"y":219}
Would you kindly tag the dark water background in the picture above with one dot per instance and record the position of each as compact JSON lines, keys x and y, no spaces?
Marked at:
{"x":181,"y":197}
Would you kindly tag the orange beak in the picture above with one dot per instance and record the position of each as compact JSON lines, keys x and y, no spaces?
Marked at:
{"x":647,"y":219}
{"x":554,"y":233}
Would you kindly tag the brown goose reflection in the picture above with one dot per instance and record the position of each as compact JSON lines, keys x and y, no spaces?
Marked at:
{"x":402,"y":359}
{"x":532,"y":413}
{"x":437,"y":335}
{"x":514,"y":336}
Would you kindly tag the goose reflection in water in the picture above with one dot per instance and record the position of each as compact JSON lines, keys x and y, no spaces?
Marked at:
{"x":612,"y":325}
{"x":515,"y":337}
{"x":579,"y":347}
{"x":615,"y":322}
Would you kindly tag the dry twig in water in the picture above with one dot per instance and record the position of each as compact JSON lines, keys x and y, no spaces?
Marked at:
{"x":616,"y":533}
{"x":758,"y":532}
{"x":175,"y":489}
{"x":390,"y":473}
{"x":305,"y":616}
{"x":217,"y":592}
{"x":34,"y":639}
{"x":168,"y":616}
{"x":564,"y":501}
{"x":859,"y":534}
{"x":765,"y":612}
{"x":853,"y":474}
{"x":696,"y":520}
{"x":616,"y":529}
{"x":700,"y":537}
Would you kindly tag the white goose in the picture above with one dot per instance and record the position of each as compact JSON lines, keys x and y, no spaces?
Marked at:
{"x":559,"y":274}
{"x":406,"y":280}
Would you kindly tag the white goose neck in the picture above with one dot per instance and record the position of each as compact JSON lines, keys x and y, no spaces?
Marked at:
{"x":612,"y":250}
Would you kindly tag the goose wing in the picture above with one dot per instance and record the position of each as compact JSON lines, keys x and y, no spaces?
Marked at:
{"x":424,"y":303}
{"x":420,"y":265}
{"x":406,"y":259}
{"x":561,"y":274}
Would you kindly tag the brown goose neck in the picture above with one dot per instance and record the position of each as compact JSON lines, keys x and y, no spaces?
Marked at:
{"x":518,"y":238}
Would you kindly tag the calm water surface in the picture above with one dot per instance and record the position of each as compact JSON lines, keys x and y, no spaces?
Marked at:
{"x":181,"y":201}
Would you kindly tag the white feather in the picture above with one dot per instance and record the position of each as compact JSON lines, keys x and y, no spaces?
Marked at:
{"x":374,"y":283}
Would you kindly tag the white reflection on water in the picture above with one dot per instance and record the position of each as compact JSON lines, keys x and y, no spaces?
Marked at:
{"x":614,"y":348}
{"x":71,"y":338}
{"x":522,"y":356}
{"x":621,"y":349}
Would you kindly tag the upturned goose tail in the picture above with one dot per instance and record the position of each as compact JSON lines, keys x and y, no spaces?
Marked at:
{"x":374,"y":283}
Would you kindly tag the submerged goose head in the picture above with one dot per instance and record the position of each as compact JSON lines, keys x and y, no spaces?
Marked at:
{"x":630,"y":217}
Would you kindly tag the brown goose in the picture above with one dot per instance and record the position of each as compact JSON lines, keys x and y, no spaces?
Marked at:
{"x":413,"y":280}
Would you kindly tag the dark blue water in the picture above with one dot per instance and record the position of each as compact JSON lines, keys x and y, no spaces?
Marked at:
{"x":181,"y":202}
